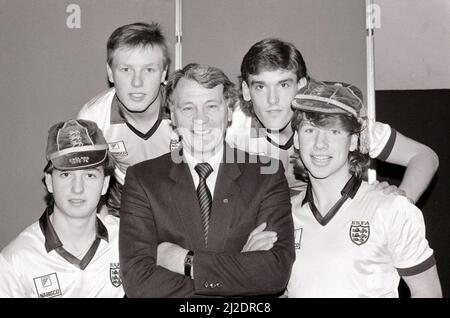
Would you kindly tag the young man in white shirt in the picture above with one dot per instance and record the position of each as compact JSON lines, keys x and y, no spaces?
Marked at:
{"x":131,"y":114}
{"x":72,"y":251}
{"x":351,"y":239}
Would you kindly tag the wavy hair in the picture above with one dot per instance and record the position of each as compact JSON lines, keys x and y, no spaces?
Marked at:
{"x":358,"y":161}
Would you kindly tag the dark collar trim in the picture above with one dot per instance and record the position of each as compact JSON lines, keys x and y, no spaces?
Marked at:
{"x":258,"y":130}
{"x":52,"y":241}
{"x":349,"y":191}
{"x":286,"y":146}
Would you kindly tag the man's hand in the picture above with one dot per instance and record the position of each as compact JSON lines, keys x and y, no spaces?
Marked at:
{"x":260,"y":240}
{"x":171,"y":257}
{"x":387,"y":188}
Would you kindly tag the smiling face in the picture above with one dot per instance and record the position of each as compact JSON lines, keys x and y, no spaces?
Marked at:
{"x":137,"y":74}
{"x":324,"y":150}
{"x":201,"y":117}
{"x":271,"y":93}
{"x":77,"y":192}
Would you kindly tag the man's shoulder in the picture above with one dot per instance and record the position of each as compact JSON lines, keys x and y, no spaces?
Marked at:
{"x":240,"y":123}
{"x":25,"y":242}
{"x":387,"y":206}
{"x":97,"y":106}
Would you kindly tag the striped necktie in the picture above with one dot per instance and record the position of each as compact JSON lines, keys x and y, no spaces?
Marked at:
{"x":204,"y":196}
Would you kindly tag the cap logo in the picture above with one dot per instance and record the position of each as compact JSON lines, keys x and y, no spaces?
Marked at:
{"x":75,"y":138}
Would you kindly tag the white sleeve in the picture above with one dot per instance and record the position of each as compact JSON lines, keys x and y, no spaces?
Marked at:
{"x":10,"y":285}
{"x":405,"y":229}
{"x":381,"y":138}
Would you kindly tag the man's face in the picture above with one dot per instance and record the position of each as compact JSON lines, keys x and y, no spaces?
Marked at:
{"x":77,"y":192}
{"x":201,"y":117}
{"x":271,"y":93}
{"x":324,"y":150}
{"x":137,"y":74}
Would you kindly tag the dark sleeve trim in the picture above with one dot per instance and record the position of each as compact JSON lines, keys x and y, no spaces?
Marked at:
{"x":422,"y":267}
{"x":384,"y":154}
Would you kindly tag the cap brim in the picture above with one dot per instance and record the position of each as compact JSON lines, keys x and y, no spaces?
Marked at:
{"x":80,"y":160}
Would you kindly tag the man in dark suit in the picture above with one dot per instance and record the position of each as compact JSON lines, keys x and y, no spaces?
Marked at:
{"x":187,"y":217}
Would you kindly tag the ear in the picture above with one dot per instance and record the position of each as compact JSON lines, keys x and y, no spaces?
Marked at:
{"x":301,"y":83}
{"x":49,"y":182}
{"x":105,"y":185}
{"x":172,"y":116}
{"x":230,"y":115}
{"x":354,"y":142}
{"x":246,"y":92}
{"x":163,"y":76}
{"x":110,"y":73}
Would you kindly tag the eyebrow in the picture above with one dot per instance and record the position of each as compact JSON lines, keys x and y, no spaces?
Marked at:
{"x":253,"y":82}
{"x":144,"y":65}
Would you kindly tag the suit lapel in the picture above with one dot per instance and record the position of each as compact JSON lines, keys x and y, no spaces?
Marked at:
{"x":185,"y":198}
{"x":225,"y":197}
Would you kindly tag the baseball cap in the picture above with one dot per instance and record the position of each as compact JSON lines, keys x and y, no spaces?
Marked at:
{"x":330,"y":98}
{"x":76,"y":144}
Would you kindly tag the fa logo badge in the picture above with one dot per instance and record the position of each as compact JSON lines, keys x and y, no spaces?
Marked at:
{"x":114,"y":274}
{"x":47,"y":286}
{"x":174,"y":144}
{"x":298,"y":238}
{"x":359,"y":232}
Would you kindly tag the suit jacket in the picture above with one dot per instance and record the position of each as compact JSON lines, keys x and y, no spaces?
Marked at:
{"x":159,"y":204}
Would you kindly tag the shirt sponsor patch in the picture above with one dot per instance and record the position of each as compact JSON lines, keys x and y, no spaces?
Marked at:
{"x":359,"y":232}
{"x":47,"y":286}
{"x":117,"y":149}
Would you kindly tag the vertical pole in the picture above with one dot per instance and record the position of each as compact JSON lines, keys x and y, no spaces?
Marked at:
{"x":372,"y":174}
{"x":178,"y":35}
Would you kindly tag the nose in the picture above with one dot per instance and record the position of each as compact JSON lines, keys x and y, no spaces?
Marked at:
{"x":77,"y":184}
{"x":200,"y":117}
{"x":321,"y":141}
{"x":137,"y":80}
{"x":273,"y":97}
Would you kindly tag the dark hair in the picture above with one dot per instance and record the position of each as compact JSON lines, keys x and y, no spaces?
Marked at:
{"x":358,"y":161}
{"x":270,"y":55}
{"x":205,"y":75}
{"x":137,"y":35}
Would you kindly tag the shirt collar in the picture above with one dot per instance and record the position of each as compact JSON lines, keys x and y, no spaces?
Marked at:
{"x":52,"y":240}
{"x":214,"y":161}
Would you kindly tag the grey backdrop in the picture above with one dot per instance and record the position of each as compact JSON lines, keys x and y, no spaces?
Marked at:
{"x":49,"y":71}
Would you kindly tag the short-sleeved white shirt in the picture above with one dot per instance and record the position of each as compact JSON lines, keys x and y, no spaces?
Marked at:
{"x":37,"y":266}
{"x":362,"y":251}
{"x":245,"y":133}
{"x":126,"y":144}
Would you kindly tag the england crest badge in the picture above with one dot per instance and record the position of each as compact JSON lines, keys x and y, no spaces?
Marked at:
{"x":359,"y":232}
{"x":114,"y":274}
